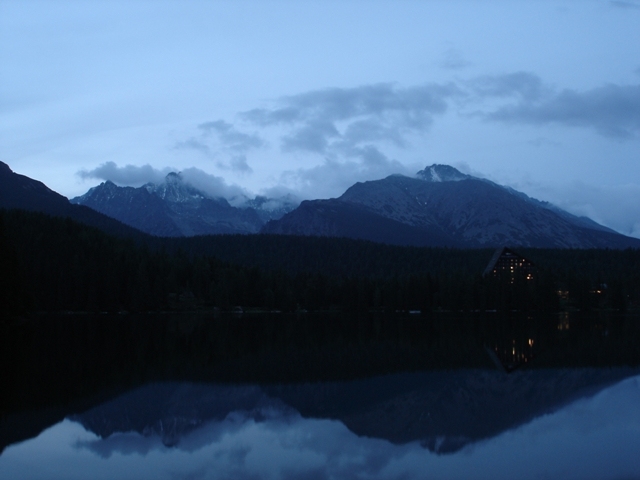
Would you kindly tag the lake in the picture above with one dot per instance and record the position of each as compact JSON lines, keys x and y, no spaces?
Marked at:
{"x":321,"y":396}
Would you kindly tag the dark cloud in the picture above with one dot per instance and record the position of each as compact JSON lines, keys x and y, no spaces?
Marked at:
{"x":612,"y":110}
{"x":127,"y":175}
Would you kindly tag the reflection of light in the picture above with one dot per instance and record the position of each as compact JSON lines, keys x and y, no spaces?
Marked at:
{"x":531,"y":342}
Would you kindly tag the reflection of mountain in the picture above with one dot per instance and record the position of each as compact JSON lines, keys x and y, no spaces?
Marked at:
{"x":172,"y":410}
{"x":443,"y":410}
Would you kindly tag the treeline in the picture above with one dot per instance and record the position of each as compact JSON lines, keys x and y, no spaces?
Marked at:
{"x":55,"y":264}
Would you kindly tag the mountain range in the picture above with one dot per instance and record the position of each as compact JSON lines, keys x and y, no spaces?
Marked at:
{"x":443,"y":207}
{"x":438,"y":207}
{"x":174,"y":208}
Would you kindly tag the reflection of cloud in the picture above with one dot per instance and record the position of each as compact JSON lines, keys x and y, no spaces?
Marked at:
{"x":123,"y":443}
{"x":593,"y":437}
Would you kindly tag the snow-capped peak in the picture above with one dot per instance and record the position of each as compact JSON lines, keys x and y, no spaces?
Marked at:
{"x":441,"y":173}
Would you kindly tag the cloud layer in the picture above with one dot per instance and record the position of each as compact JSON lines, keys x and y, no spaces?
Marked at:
{"x":356,"y":133}
{"x":219,"y":138}
{"x":131,"y":175}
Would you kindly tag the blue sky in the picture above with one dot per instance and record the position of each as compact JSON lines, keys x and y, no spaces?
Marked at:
{"x":311,"y":96}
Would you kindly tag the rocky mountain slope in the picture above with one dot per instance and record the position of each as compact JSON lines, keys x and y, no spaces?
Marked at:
{"x":175,"y":208}
{"x":441,"y":206}
{"x":21,"y":192}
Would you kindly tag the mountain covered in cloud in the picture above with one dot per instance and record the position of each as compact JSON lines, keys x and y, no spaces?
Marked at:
{"x":175,"y":208}
{"x":441,"y":206}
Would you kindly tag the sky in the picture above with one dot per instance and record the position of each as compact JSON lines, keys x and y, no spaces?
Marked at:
{"x":308,"y":97}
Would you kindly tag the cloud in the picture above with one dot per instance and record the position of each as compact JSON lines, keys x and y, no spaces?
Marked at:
{"x":230,"y":137}
{"x":348,"y":128}
{"x":219,"y":138}
{"x":131,"y":175}
{"x":624,"y":5}
{"x":355,"y":133}
{"x":214,"y":186}
{"x":452,"y":59}
{"x":617,"y":207}
{"x":524,"y":85}
{"x":611,"y":110}
{"x":332,"y":121}
{"x":333,"y":176}
{"x":543,"y":142}
{"x":127,"y":175}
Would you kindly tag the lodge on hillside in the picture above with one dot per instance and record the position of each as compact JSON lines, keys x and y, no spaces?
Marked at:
{"x":506,"y":263}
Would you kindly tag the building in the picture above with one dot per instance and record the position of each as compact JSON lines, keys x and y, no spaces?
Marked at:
{"x":506,"y":263}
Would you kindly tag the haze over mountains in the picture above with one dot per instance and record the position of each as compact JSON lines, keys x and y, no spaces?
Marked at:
{"x":439,"y":207}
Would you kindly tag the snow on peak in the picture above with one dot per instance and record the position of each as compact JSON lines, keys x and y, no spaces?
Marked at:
{"x":441,"y":173}
{"x":173,"y":177}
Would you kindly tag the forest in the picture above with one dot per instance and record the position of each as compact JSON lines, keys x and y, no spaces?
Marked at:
{"x":53,"y":264}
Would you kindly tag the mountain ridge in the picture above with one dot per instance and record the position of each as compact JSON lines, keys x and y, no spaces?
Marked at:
{"x":175,"y":208}
{"x":442,"y":202}
{"x":22,"y":192}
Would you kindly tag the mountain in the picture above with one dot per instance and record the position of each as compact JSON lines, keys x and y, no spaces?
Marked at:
{"x":441,"y":206}
{"x":175,"y":208}
{"x":21,"y":192}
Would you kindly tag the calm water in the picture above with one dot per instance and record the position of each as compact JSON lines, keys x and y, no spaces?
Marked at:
{"x":304,"y":397}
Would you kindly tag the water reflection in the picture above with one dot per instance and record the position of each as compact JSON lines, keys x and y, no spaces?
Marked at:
{"x":195,"y":431}
{"x":439,"y":396}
